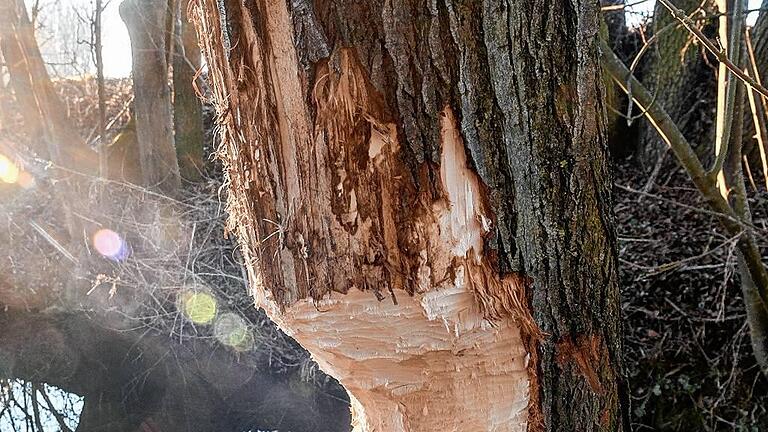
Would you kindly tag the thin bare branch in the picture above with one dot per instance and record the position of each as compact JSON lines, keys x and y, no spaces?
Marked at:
{"x":758,"y":111}
{"x":671,"y":134}
{"x":680,"y":15}
{"x":52,"y":409}
{"x":726,"y":89}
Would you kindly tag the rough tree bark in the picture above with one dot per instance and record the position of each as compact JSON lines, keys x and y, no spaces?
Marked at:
{"x":422,"y":195}
{"x":145,"y":20}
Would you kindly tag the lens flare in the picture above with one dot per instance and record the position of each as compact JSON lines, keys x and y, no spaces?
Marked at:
{"x":200,"y":307}
{"x":26,"y":180}
{"x":9,"y":172}
{"x":110,"y":245}
{"x":233,"y":331}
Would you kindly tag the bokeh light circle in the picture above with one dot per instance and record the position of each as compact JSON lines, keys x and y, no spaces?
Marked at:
{"x":26,"y":180}
{"x":200,"y":307}
{"x":232,"y":330}
{"x":109,"y":244}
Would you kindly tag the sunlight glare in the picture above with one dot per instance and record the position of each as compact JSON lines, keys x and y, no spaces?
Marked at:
{"x":9,"y":172}
{"x":25,"y":180}
{"x":638,"y":12}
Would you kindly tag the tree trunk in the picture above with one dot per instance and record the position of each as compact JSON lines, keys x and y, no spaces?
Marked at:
{"x":752,"y":150}
{"x":615,"y":20}
{"x":422,"y":196}
{"x":5,"y":93}
{"x":760,"y":39}
{"x":45,"y":117}
{"x":683,"y":84}
{"x":187,"y":110}
{"x":101,"y":91}
{"x":145,"y":20}
{"x":20,"y":81}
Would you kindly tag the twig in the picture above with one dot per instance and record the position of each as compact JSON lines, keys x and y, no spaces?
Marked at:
{"x":673,"y":265}
{"x":711,"y":47}
{"x":56,"y":413}
{"x":615,"y":7}
{"x":59,"y":247}
{"x":758,"y":112}
{"x":726,"y":92}
{"x":671,"y":134}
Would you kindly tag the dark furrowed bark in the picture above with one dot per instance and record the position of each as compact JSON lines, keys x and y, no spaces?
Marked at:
{"x":524,"y":81}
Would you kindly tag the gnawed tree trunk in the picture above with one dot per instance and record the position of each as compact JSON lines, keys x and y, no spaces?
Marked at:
{"x":187,"y":110}
{"x":422,"y":196}
{"x":146,"y":20}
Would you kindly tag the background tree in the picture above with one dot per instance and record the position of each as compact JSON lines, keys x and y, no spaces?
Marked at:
{"x":146,"y":22}
{"x":681,"y":79}
{"x":187,"y":109}
{"x":722,"y":186}
{"x":45,"y":117}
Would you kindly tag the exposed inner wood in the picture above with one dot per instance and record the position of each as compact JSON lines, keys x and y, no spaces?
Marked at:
{"x":429,"y":363}
{"x":432,"y":360}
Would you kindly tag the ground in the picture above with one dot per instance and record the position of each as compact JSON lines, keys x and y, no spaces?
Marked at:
{"x":687,"y":348}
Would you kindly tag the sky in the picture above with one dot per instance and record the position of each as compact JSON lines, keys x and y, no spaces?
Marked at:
{"x":59,"y":17}
{"x":117,"y":48}
{"x":639,"y":10}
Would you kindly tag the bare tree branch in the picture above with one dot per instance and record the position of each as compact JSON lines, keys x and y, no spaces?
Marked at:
{"x":726,"y":89}
{"x":684,"y":152}
{"x":711,"y":47}
{"x":54,"y":411}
